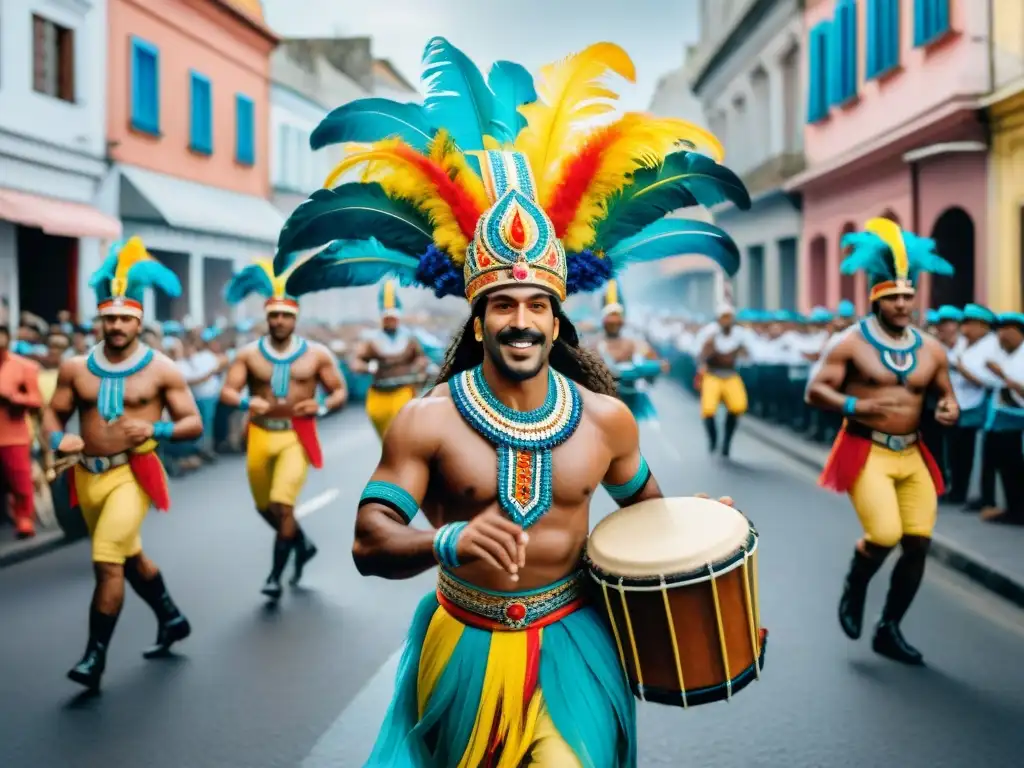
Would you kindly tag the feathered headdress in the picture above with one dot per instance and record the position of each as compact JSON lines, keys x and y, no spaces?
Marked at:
{"x":121,"y":281}
{"x":499,"y":182}
{"x":388,"y":302}
{"x":260,"y":278}
{"x":891,"y":257}
{"x":612,"y":301}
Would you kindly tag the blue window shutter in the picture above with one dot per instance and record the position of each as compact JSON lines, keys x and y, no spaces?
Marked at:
{"x":145,"y":87}
{"x":813,"y":75}
{"x":201,"y":123}
{"x":872,"y":38}
{"x":245,"y":128}
{"x":824,"y":67}
{"x":850,"y":52}
{"x":939,"y":18}
{"x":921,"y":21}
{"x":889,"y":24}
{"x":834,"y":52}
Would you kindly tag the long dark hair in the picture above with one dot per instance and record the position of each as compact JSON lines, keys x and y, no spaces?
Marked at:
{"x":567,"y":357}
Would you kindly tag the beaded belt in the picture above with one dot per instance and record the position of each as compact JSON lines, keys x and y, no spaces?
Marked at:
{"x":392,"y":383}
{"x":97,"y":465}
{"x":509,"y":610}
{"x":272,"y":425}
{"x":892,"y":442}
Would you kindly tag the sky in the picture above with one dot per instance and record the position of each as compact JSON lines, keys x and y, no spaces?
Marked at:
{"x":655,"y":33}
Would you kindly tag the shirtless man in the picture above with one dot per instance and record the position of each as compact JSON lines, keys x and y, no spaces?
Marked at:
{"x":397,"y":361}
{"x":121,"y":390}
{"x":281,"y":372}
{"x":722,"y":343}
{"x":878,"y":374}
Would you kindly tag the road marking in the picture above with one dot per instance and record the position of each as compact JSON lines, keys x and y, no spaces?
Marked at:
{"x":317,"y":502}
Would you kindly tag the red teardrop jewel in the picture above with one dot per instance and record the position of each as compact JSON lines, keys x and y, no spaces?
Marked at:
{"x":519,"y":271}
{"x":517,"y":232}
{"x":515,"y":612}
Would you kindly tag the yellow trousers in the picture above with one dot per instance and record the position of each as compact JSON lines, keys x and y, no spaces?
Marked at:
{"x":277,"y":466}
{"x":894,"y":495}
{"x":114,"y":507}
{"x":383,"y":406}
{"x":715,"y":390}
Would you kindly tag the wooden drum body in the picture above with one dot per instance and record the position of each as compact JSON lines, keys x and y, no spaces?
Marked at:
{"x":678,"y":581}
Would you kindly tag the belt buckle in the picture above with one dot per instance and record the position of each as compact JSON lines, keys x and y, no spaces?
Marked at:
{"x":896,"y":442}
{"x":513,"y":613}
{"x":98,"y":464}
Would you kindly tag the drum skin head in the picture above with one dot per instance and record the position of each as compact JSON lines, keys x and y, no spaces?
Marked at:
{"x":659,"y":537}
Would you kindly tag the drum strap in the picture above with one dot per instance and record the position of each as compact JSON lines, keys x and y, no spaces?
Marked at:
{"x":632,"y":487}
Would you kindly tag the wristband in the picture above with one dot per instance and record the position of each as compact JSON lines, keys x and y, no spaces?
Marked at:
{"x":391,"y":496}
{"x":850,"y":406}
{"x":162,"y":430}
{"x":446,"y":542}
{"x":55,"y":440}
{"x":632,"y":487}
{"x":243,"y":403}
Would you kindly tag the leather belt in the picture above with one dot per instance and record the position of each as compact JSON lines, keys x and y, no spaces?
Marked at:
{"x":97,"y":465}
{"x":392,"y":383}
{"x":509,"y":610}
{"x":272,"y":425}
{"x":892,"y":442}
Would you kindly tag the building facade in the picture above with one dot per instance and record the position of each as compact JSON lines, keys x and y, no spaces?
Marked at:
{"x":748,"y":81}
{"x":894,"y":128}
{"x":187,"y":126}
{"x":53,"y":91}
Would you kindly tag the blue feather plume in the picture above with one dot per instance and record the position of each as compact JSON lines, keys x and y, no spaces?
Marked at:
{"x":151,"y":274}
{"x":251,"y":279}
{"x":922,"y":257}
{"x":512,"y":85}
{"x":871,"y":254}
{"x":351,"y":263}
{"x":374,"y":119}
{"x":677,"y":237}
{"x":457,"y":97}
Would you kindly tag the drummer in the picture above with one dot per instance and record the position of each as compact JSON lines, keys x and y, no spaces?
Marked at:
{"x":622,"y":353}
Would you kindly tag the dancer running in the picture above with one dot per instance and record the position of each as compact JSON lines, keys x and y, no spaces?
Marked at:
{"x":721,"y":344}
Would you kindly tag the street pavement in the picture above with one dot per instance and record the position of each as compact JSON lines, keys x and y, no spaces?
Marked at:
{"x":305,"y":685}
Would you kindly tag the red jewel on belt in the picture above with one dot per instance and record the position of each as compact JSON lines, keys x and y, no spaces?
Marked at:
{"x":515,"y":612}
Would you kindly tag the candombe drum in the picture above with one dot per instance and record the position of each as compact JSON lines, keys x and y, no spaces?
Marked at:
{"x":678,"y":581}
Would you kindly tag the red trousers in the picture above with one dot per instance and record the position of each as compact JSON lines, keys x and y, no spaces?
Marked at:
{"x":16,"y":473}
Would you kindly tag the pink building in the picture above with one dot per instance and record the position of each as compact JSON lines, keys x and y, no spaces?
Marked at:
{"x":188,"y":126}
{"x":893,"y":129}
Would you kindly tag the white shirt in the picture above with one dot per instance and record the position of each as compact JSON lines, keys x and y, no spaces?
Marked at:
{"x":974,"y":358}
{"x":202,"y":363}
{"x":1013,"y":367}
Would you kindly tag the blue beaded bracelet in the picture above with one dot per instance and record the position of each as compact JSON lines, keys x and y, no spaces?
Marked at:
{"x":850,"y":406}
{"x":55,"y":440}
{"x":446,"y":542}
{"x":163,"y":430}
{"x":243,"y":403}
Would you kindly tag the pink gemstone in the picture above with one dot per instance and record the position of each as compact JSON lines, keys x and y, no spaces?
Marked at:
{"x":520,"y":272}
{"x":516,"y":612}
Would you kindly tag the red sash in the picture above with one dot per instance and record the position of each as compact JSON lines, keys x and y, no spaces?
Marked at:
{"x":305,"y":430}
{"x":849,"y":455}
{"x":148,"y":473}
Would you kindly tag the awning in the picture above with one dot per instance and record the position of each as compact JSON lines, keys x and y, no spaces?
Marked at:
{"x":57,"y":217}
{"x":156,"y":197}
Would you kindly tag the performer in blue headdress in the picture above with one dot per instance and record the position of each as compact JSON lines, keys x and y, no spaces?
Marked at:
{"x":281,"y":372}
{"x":632,"y":361}
{"x":516,"y":203}
{"x":877,"y":375}
{"x":124,"y":387}
{"x":1005,"y":423}
{"x":396,"y":358}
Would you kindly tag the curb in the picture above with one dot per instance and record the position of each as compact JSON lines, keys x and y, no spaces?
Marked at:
{"x":970,"y":564}
{"x":44,"y":542}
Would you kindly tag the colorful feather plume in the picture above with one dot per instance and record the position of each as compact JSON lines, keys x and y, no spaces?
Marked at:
{"x":367,"y":120}
{"x":129,"y":270}
{"x":512,"y":86}
{"x":347,"y":264}
{"x":677,"y":237}
{"x":457,"y":97}
{"x":256,"y":278}
{"x":875,"y":255}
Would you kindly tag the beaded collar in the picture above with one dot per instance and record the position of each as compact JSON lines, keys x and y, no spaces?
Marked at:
{"x":522,"y":439}
{"x":391,"y":345}
{"x":110,"y":401}
{"x":281,"y":377}
{"x":898,"y":355}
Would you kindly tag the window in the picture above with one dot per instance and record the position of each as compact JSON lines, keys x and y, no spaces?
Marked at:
{"x":883,"y":36}
{"x":53,"y":59}
{"x":817,"y":63}
{"x":931,"y":20}
{"x":245,"y":130}
{"x":842,"y":70}
{"x":145,"y":87}
{"x":201,"y":126}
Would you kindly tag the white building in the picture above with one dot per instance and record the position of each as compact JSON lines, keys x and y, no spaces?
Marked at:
{"x":53,"y":83}
{"x":746,"y":74}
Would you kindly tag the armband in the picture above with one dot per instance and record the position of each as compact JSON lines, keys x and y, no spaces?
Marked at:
{"x":446,"y":542}
{"x":391,"y":496}
{"x":243,"y":403}
{"x":162,"y":430}
{"x":850,"y":405}
{"x":632,"y":487}
{"x":55,"y":440}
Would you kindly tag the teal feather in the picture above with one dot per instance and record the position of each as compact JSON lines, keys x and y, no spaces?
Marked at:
{"x":347,"y":264}
{"x":100,"y":279}
{"x":374,"y":119}
{"x":921,"y":256}
{"x":677,"y":237}
{"x":251,"y":279}
{"x":350,"y":212}
{"x":684,"y":179}
{"x":512,"y":85}
{"x":457,"y":98}
{"x":151,"y":274}
{"x":868,"y":253}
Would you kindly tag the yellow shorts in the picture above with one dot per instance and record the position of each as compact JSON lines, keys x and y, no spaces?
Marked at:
{"x":714,"y":391}
{"x":114,"y":507}
{"x":277,"y":467}
{"x":895,"y":496}
{"x":382,"y":407}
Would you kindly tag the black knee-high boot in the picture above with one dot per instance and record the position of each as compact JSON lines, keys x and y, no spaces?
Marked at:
{"x":731,"y":420}
{"x":172,"y":626}
{"x":906,"y":579}
{"x":89,"y":671}
{"x":712,"y":429}
{"x":282,"y":549}
{"x":305,"y":550}
{"x":855,"y":588}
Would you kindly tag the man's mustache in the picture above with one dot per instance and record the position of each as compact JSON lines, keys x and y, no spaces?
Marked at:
{"x":512,"y":335}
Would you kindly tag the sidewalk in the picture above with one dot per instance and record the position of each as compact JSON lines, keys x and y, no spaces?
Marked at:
{"x":13,"y":551}
{"x":992,"y":555}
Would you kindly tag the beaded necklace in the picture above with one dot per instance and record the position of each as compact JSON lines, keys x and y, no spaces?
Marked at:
{"x":522,"y":439}
{"x":898,"y":355}
{"x":110,"y":401}
{"x":281,"y":376}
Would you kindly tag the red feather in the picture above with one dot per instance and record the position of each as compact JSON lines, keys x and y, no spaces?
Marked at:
{"x":464,"y":207}
{"x":577,"y":173}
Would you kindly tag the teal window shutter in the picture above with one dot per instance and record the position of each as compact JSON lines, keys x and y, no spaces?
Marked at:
{"x":201,"y":115}
{"x":939,"y":18}
{"x":889,"y":32}
{"x":817,"y":71}
{"x":145,"y":87}
{"x":921,"y":21}
{"x":834,"y":50}
{"x":850,"y":49}
{"x":245,"y":130}
{"x":873,"y":39}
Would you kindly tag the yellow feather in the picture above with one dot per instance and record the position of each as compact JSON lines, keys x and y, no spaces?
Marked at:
{"x":638,"y":141}
{"x":131,"y":253}
{"x":612,"y":294}
{"x":891,"y":234}
{"x":569,"y":92}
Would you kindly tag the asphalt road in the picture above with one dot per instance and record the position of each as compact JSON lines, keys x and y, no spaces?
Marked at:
{"x":305,"y":685}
